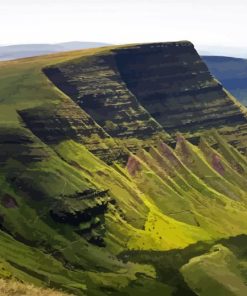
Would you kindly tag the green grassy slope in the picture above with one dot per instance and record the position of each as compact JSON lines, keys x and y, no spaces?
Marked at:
{"x":70,"y":213}
{"x":218,"y":272}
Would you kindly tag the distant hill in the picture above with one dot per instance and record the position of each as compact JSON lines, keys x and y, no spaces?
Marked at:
{"x":231,"y":72}
{"x":12,"y":52}
{"x":222,"y":51}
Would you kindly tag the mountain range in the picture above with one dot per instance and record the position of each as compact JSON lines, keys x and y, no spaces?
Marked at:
{"x":123,"y":172}
{"x":225,"y":51}
{"x":12,"y":52}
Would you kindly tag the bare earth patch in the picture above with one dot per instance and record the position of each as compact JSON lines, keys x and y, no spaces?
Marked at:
{"x":14,"y":288}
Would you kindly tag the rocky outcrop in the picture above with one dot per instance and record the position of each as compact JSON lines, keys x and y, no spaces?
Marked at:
{"x":174,"y":85}
{"x":96,"y":86}
{"x":19,"y":144}
{"x":85,"y":212}
{"x":169,"y":80}
{"x":67,"y":121}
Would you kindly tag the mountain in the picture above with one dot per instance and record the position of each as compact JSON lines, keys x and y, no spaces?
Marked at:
{"x":123,"y":172}
{"x":225,"y":51}
{"x":232,"y":73}
{"x":12,"y":52}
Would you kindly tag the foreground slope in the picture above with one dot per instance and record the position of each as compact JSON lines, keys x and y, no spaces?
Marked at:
{"x":205,"y":277}
{"x":11,"y":288}
{"x":92,"y":178}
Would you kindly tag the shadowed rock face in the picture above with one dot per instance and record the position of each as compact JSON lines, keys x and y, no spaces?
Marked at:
{"x":88,"y":221}
{"x":96,"y":86}
{"x":19,"y":145}
{"x":67,"y":121}
{"x":169,"y":80}
{"x":174,"y":85}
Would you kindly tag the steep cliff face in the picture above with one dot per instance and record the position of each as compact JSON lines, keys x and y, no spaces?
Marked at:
{"x":56,"y":123}
{"x":169,"y":80}
{"x":96,"y":86}
{"x":174,"y":85}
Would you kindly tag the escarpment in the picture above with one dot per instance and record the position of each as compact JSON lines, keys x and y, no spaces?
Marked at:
{"x":97,"y":87}
{"x":169,"y":80}
{"x":176,"y":88}
{"x":56,"y":123}
{"x":112,"y":162}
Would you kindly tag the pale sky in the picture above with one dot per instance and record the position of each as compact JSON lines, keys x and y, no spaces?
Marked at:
{"x":209,"y":22}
